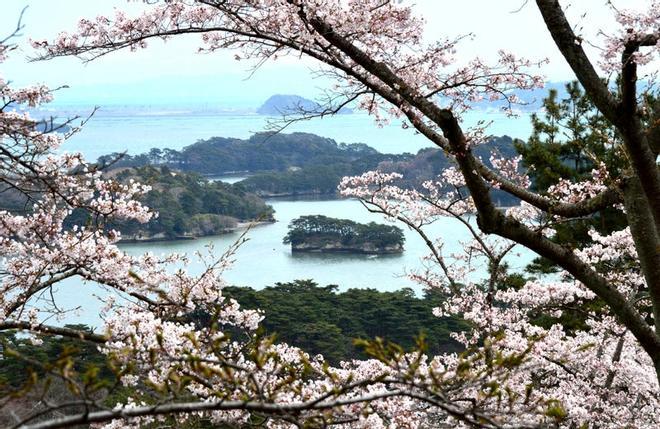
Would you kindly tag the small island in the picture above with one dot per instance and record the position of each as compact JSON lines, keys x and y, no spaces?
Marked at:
{"x":320,"y":233}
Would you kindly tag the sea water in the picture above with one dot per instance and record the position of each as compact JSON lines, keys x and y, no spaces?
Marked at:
{"x":264,"y":260}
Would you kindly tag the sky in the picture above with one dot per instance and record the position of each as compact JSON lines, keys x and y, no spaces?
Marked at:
{"x":173,"y":72}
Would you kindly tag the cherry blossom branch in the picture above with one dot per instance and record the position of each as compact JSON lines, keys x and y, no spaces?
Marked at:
{"x":427,"y":241}
{"x":551,"y":206}
{"x":16,"y":31}
{"x":646,"y":241}
{"x":492,"y":221}
{"x":280,"y":410}
{"x":190,"y":407}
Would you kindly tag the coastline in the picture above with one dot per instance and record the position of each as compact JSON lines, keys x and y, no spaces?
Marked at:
{"x":156,"y":239}
{"x":336,"y":246}
{"x":308,"y":194}
{"x":348,"y":250}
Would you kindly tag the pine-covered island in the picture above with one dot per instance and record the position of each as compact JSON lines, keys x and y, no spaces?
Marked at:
{"x":318,"y":233}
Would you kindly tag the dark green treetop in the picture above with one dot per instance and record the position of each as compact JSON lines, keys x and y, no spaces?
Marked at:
{"x":323,"y":228}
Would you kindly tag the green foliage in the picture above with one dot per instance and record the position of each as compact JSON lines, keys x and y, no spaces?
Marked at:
{"x":188,"y":205}
{"x":566,"y":140}
{"x":320,"y":320}
{"x":261,"y":152}
{"x":556,"y":411}
{"x":20,"y":359}
{"x":316,"y":180}
{"x":303,"y":164}
{"x":318,"y":230}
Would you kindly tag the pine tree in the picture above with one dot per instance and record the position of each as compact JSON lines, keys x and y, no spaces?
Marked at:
{"x":567,"y":137}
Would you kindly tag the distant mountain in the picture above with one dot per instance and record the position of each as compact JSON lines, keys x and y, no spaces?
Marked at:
{"x":532,"y":100}
{"x":280,"y":104}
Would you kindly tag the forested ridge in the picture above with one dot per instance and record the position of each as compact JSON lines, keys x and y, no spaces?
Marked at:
{"x":188,"y":205}
{"x":264,"y":151}
{"x":280,"y":164}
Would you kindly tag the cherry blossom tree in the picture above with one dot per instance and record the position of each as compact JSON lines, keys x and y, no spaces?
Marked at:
{"x":515,"y":373}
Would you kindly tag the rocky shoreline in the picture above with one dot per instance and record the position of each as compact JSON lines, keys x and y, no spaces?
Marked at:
{"x":338,"y":247}
{"x":143,"y":238}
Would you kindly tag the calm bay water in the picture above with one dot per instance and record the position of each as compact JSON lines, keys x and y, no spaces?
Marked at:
{"x":137,"y":132}
{"x":264,"y":260}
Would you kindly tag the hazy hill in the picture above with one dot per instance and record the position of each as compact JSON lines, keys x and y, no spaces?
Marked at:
{"x":281,"y":104}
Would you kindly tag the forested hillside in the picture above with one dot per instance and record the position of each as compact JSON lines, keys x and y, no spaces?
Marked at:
{"x":261,"y":152}
{"x":190,"y":206}
{"x":282,"y":164}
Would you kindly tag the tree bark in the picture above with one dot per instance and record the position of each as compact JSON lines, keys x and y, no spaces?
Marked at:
{"x":646,"y":238}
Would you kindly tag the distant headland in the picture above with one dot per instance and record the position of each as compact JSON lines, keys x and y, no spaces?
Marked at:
{"x":283,"y":104}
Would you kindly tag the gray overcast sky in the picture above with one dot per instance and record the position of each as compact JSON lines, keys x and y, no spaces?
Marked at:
{"x":173,"y":71}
